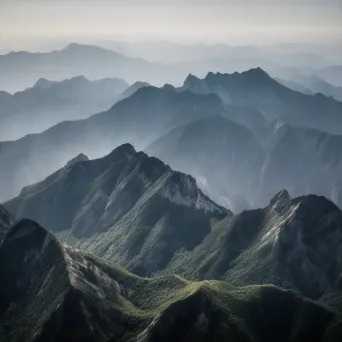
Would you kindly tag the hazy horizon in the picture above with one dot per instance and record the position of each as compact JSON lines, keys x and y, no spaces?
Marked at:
{"x":216,"y":21}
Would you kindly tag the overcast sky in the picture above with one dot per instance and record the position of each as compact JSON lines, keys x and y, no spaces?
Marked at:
{"x":229,"y":21}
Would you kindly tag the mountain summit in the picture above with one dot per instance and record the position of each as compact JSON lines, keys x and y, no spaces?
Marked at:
{"x":125,"y":198}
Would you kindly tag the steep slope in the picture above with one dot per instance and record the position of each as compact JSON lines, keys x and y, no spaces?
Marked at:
{"x":56,"y":293}
{"x":301,"y":160}
{"x":240,"y":168}
{"x":313,"y":84}
{"x":47,"y":103}
{"x":219,"y":154}
{"x":126,"y":206}
{"x":132,"y":89}
{"x":255,"y":88}
{"x":135,"y":211}
{"x":140,"y":119}
{"x":5,"y":221}
{"x":294,"y":243}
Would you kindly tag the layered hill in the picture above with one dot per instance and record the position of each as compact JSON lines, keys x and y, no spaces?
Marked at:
{"x":56,"y":293}
{"x":140,"y":119}
{"x":126,"y":206}
{"x":135,"y":211}
{"x":241,"y":168}
{"x":21,"y":69}
{"x":257,"y":89}
{"x":49,"y":102}
{"x":224,"y":157}
{"x":313,"y":84}
{"x":274,"y":156}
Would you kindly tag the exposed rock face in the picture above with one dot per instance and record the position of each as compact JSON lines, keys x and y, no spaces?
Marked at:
{"x":134,"y":210}
{"x":126,"y":206}
{"x":295,"y":243}
{"x":56,"y":293}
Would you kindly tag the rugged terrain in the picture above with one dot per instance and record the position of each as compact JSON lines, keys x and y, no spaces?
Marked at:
{"x":126,"y":206}
{"x":239,"y":156}
{"x":135,"y":211}
{"x":56,"y":293}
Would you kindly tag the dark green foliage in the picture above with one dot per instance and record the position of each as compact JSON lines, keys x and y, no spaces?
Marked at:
{"x":56,"y":293}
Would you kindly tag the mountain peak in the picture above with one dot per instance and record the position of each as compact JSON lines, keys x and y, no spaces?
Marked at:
{"x":257,"y":71}
{"x":122,"y":150}
{"x":182,"y":189}
{"x":79,"y":78}
{"x":43,"y":83}
{"x":79,"y":158}
{"x":191,"y":78}
{"x":280,"y":200}
{"x":82,"y":48}
{"x":253,"y":74}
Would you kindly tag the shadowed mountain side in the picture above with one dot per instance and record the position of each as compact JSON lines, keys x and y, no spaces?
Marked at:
{"x":126,"y":205}
{"x":56,"y":293}
{"x":5,"y":221}
{"x":218,"y":153}
{"x":240,"y":168}
{"x":135,"y":211}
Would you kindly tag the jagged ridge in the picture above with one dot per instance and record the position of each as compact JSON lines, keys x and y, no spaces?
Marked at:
{"x":57,"y":293}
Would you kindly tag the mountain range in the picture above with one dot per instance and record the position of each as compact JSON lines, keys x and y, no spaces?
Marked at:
{"x":54,"y":292}
{"x":137,"y":201}
{"x":134,"y":211}
{"x":136,"y":120}
{"x":313,"y":85}
{"x":50,"y":102}
{"x":151,"y":200}
{"x":227,"y":131}
{"x":255,"y":88}
{"x":21,"y":69}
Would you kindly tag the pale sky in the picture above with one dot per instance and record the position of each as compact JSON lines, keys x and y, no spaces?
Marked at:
{"x":211,"y":21}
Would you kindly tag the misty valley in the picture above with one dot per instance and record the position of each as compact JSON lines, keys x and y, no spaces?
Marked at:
{"x":161,"y":191}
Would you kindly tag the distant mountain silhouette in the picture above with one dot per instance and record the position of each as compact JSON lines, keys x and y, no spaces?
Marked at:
{"x":49,"y":102}
{"x":332,"y":74}
{"x":255,"y":88}
{"x":273,"y":156}
{"x":313,"y":85}
{"x":21,"y":69}
{"x":240,"y":168}
{"x":139,"y":119}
